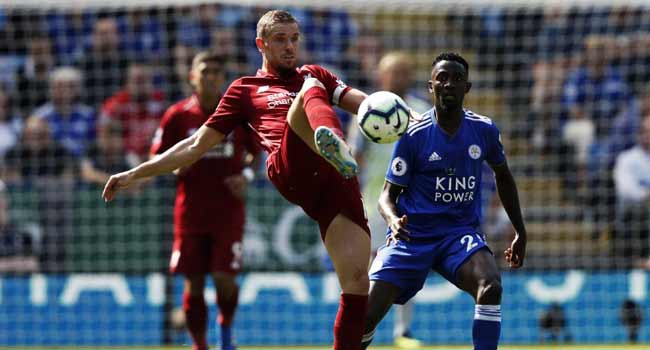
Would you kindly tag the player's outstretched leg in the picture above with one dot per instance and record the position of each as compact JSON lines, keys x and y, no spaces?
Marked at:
{"x":380,"y":299}
{"x":227,"y":299}
{"x":335,"y":151}
{"x":402,"y":331}
{"x":196,"y":311}
{"x":479,"y":276}
{"x":314,"y":120}
{"x":349,"y":248}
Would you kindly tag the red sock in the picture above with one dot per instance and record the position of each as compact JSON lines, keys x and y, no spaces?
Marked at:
{"x":320,"y":112}
{"x":350,"y":322}
{"x":196,"y":319}
{"x":227,"y":308}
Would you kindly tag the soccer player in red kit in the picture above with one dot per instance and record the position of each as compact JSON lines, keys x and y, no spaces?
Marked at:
{"x":288,"y":108}
{"x":209,"y":212}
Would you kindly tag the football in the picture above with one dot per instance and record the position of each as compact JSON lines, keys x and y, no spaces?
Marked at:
{"x":383,"y":117}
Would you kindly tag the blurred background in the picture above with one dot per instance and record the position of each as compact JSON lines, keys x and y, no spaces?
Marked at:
{"x":83,"y":88}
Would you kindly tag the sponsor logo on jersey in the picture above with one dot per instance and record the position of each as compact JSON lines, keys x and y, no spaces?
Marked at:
{"x":455,"y":189}
{"x":474,"y":151}
{"x":399,"y":166}
{"x":264,"y":88}
{"x":280,"y":98}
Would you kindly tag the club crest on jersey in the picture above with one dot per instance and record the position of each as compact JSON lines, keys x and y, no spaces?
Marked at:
{"x":474,"y":151}
{"x":399,"y":166}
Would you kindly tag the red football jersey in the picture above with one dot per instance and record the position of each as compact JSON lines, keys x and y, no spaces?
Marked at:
{"x":202,"y":199}
{"x":262,"y":103}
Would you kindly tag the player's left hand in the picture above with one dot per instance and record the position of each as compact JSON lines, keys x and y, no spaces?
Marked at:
{"x":516,"y":252}
{"x":398,"y":230}
{"x":237,"y":185}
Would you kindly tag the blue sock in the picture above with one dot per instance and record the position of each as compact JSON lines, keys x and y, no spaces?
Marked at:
{"x":226,"y":338}
{"x":487,"y":327}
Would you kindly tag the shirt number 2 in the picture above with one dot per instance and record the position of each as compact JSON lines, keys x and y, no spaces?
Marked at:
{"x":468,"y":241}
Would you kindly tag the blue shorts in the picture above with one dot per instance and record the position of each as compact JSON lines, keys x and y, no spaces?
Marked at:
{"x":407,"y":264}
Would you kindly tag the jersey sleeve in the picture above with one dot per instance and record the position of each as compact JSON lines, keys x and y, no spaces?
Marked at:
{"x":165,"y":136}
{"x":230,"y":112}
{"x":335,"y":87}
{"x":495,"y":153}
{"x":401,"y":164}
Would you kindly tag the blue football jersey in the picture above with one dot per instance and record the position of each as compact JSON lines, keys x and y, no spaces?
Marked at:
{"x":442,"y":173}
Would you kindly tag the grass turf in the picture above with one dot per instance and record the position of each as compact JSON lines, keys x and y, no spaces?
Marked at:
{"x":379,"y":347}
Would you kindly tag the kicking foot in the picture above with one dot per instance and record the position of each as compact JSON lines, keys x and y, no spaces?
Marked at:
{"x":406,"y":341}
{"x":335,"y":151}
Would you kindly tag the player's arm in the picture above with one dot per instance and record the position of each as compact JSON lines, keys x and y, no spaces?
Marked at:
{"x":388,"y":209}
{"x":507,"y":189}
{"x":352,"y":100}
{"x":182,"y":154}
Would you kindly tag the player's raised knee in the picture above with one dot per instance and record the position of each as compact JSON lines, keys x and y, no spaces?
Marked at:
{"x":489,"y":291}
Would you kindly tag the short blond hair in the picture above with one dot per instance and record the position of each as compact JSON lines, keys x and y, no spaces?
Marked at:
{"x":271,"y":18}
{"x":394,"y":58}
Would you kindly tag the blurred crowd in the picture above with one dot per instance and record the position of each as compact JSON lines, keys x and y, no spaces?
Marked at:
{"x":83,"y":90}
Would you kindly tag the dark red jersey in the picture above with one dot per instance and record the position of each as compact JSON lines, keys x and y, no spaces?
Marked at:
{"x":261,"y":103}
{"x":202,"y":200}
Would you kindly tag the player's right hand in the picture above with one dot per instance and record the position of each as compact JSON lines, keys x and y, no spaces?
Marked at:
{"x":115,"y":183}
{"x":398,"y":230}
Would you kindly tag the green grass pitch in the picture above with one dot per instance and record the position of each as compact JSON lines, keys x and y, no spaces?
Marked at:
{"x":387,"y":347}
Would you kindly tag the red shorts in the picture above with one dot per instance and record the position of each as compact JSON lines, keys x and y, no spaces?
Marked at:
{"x":309,"y":181}
{"x":204,"y":253}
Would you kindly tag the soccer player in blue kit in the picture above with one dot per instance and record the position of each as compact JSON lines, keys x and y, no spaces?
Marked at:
{"x":431,"y":203}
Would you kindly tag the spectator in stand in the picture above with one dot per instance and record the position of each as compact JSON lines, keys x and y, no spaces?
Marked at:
{"x":103,"y":63}
{"x":37,"y":155}
{"x":138,"y":107}
{"x":18,"y":245}
{"x":106,"y":155}
{"x":224,"y":42}
{"x":144,"y":36}
{"x":42,"y":166}
{"x":196,"y":29}
{"x":632,"y":179}
{"x":70,"y":30}
{"x":361,"y":59}
{"x":10,"y":123}
{"x":182,"y":60}
{"x":554,"y":58}
{"x":71,"y":123}
{"x":32,"y":78}
{"x":594,"y":94}
{"x":327,"y":33}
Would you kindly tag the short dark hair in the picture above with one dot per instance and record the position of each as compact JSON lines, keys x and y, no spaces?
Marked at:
{"x":451,"y":56}
{"x":271,"y":18}
{"x":207,"y":56}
